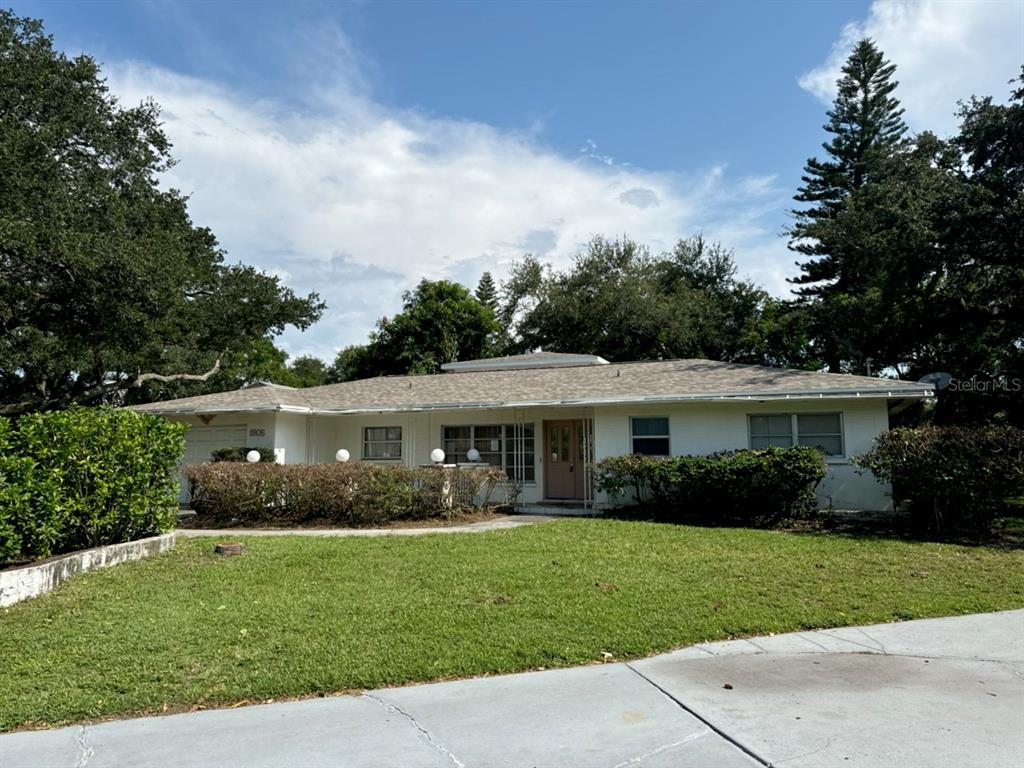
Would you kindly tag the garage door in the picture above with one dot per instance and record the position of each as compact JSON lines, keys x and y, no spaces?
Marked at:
{"x":200,"y":442}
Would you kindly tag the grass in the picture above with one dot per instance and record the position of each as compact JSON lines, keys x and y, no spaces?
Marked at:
{"x":305,"y":616}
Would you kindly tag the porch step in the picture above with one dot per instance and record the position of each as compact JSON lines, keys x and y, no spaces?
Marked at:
{"x":555,"y":509}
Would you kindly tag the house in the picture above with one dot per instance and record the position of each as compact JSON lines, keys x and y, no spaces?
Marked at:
{"x":544,"y":417}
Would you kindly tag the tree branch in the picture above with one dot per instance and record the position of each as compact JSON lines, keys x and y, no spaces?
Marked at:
{"x":142,"y":378}
{"x":41,"y":402}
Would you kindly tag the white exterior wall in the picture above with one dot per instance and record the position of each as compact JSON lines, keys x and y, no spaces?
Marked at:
{"x":259,"y":427}
{"x":292,"y":438}
{"x":694,"y":429}
{"x":423,"y":431}
{"x":702,"y":428}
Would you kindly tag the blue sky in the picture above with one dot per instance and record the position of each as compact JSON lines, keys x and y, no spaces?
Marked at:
{"x":353,"y":148}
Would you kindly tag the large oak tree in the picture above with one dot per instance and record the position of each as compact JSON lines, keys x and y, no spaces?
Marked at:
{"x":107,"y":288}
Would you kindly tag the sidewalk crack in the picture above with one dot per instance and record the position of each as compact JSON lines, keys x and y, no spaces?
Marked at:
{"x":658,"y":750}
{"x":423,"y":731}
{"x":735,"y":742}
{"x":85,"y":752}
{"x":879,"y":643}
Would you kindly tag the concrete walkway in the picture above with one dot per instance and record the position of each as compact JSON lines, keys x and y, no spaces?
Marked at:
{"x":509,"y":521}
{"x":932,"y":693}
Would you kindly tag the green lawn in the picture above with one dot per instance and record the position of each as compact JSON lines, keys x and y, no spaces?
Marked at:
{"x":300,"y":616}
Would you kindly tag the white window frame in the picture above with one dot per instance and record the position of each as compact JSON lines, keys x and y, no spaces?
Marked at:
{"x":667,"y":436}
{"x":794,"y":430}
{"x":366,"y":442}
{"x":507,"y":434}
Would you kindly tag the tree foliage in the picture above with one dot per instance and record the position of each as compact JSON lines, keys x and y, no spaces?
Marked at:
{"x":486,"y":292}
{"x":915,"y":260}
{"x":619,"y":301}
{"x":866,"y":126}
{"x":106,"y":285}
{"x":440,"y":322}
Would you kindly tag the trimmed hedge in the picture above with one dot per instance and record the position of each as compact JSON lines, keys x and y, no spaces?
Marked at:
{"x":752,"y":486}
{"x":239,"y":454}
{"x":952,"y":478}
{"x":355,"y":494}
{"x":85,"y":477}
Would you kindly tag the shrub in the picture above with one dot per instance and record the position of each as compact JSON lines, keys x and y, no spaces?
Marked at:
{"x":354,"y":493}
{"x":953,"y":478}
{"x":86,"y":477}
{"x":240,"y":454}
{"x":759,"y":486}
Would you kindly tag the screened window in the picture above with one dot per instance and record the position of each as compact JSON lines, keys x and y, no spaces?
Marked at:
{"x":382,"y":443}
{"x":823,"y":431}
{"x":768,"y":430}
{"x":508,"y":446}
{"x":650,"y":435}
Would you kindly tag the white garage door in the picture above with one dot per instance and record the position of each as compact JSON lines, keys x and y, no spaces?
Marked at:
{"x":200,"y":442}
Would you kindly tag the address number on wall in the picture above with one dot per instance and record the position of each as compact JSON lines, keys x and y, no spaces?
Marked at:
{"x":257,"y":433}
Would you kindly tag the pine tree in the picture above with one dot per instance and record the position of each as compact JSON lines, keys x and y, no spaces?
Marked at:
{"x":486,"y":293}
{"x":866,"y":123}
{"x":867,"y":130}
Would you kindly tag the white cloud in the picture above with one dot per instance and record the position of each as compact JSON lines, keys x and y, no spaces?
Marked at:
{"x":944,"y":51}
{"x":358,"y":202}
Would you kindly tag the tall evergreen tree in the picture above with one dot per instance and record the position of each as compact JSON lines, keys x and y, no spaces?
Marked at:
{"x":486,"y":292}
{"x":867,"y":127}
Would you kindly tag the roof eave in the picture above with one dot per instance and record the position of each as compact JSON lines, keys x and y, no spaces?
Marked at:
{"x":639,"y":399}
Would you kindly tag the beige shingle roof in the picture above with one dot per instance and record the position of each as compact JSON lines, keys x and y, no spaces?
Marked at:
{"x":670,"y":380}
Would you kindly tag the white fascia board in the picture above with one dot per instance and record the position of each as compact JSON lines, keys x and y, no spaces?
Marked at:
{"x":236,"y":409}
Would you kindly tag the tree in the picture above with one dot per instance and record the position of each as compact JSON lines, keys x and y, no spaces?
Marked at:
{"x":351,"y":363}
{"x":978,"y":317}
{"x":620,"y":302}
{"x":307,"y":371}
{"x":486,"y":292}
{"x":867,"y":127}
{"x":107,"y":288}
{"x":440,"y":322}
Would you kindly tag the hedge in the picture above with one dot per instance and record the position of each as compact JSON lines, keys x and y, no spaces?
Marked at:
{"x":85,"y":477}
{"x":755,"y":486}
{"x":356,"y":494}
{"x":241,"y":454}
{"x":952,"y":478}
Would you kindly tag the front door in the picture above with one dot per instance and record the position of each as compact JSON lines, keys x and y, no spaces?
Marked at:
{"x":563,"y":459}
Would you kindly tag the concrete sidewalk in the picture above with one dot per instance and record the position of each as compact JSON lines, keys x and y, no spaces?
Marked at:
{"x":938,"y":692}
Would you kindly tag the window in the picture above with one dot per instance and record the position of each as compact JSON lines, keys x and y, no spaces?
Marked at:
{"x":508,"y":446}
{"x":823,"y":431}
{"x":776,"y":429}
{"x":382,"y":443}
{"x":650,"y":435}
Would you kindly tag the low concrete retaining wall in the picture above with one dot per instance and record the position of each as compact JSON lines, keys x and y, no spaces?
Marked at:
{"x":20,"y":584}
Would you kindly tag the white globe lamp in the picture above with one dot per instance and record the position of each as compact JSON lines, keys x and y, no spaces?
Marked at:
{"x":342,"y":456}
{"x":437,"y":456}
{"x":473,"y":455}
{"x":252,"y":457}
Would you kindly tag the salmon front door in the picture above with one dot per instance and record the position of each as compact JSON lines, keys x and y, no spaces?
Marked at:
{"x":563,"y":459}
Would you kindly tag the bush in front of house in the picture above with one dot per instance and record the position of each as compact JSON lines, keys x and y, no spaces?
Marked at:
{"x":241,"y":454}
{"x":85,"y":477}
{"x":751,"y":486}
{"x":953,"y":478}
{"x":349,"y":494}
